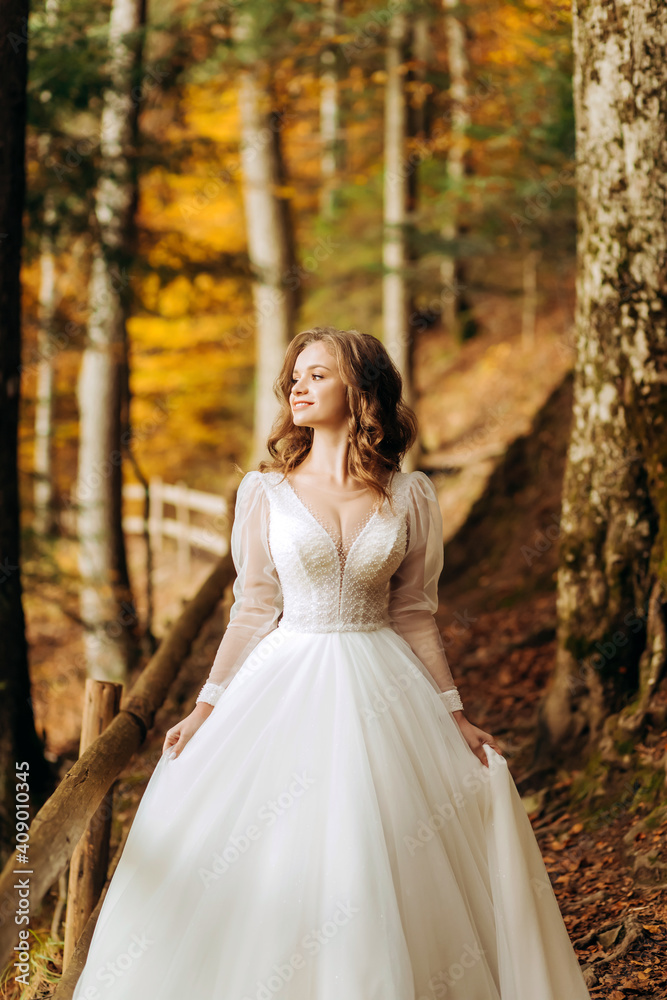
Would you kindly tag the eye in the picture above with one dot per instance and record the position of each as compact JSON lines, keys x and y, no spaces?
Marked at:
{"x":295,"y":379}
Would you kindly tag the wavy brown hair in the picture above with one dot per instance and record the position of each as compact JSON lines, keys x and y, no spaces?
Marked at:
{"x":382,"y":427}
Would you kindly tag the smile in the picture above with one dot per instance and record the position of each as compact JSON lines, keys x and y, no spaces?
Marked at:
{"x":298,"y":406}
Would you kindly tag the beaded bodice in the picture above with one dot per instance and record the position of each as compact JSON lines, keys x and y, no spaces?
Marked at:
{"x":339,"y":563}
{"x":328,"y":585}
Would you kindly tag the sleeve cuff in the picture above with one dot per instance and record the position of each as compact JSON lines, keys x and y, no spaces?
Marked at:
{"x":452,"y":700}
{"x":210,"y":693}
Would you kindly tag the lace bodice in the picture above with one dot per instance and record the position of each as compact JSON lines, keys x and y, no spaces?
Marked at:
{"x":300,"y":571}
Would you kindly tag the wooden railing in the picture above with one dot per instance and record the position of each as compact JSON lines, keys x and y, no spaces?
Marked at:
{"x":211,"y":535}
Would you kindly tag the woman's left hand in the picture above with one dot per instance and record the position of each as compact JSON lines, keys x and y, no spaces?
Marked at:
{"x":476,"y":738}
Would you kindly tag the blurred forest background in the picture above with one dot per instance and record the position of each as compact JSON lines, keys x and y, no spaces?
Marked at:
{"x":485,"y":176}
{"x":206,"y":178}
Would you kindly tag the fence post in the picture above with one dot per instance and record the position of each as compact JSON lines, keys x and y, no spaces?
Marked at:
{"x":183,"y":518}
{"x":90,"y":858}
{"x":155,"y":511}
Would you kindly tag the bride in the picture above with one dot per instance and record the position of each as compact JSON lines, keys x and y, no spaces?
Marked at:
{"x":327,"y":824}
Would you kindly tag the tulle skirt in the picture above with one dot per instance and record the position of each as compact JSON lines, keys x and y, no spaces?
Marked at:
{"x":328,"y":834}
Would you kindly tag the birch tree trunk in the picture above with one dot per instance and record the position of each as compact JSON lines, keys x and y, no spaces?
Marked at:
{"x":18,"y":739}
{"x":107,"y":608}
{"x":451,"y":269}
{"x":44,"y":519}
{"x":330,"y":110}
{"x":43,"y":488}
{"x":269,"y":231}
{"x":418,"y":112}
{"x":613,"y":556}
{"x":394,"y":248}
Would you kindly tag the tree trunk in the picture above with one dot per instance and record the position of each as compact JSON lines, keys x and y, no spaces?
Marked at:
{"x":18,"y":740}
{"x":330,"y":110}
{"x":43,"y":490}
{"x":613,"y":565}
{"x":394,"y":247}
{"x":530,"y":299}
{"x":44,"y":514}
{"x":269,"y":232}
{"x":107,"y":607}
{"x":417,"y":131}
{"x":452,"y":272}
{"x":419,"y":107}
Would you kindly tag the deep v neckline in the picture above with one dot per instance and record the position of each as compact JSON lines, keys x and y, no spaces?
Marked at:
{"x":356,"y":534}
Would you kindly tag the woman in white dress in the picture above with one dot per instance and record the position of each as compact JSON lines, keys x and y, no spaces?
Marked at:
{"x":327,"y":824}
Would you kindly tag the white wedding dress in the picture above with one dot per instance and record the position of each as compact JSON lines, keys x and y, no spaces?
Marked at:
{"x":328,"y":834}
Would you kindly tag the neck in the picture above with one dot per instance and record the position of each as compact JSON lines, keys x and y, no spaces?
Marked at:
{"x":327,"y":458}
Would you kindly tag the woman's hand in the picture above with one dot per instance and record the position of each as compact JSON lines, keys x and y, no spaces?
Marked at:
{"x":476,"y":738}
{"x":178,"y":735}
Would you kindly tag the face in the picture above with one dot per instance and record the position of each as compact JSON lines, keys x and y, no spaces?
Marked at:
{"x":318,"y":394}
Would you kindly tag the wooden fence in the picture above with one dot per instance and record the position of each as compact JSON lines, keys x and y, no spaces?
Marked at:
{"x":210,"y":533}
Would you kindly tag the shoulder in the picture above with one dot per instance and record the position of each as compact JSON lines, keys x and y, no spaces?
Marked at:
{"x":255,"y":482}
{"x":415,"y":485}
{"x":252,"y":478}
{"x":421,"y":503}
{"x":251,"y":485}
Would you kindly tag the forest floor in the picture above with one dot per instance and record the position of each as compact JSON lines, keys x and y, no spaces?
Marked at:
{"x":602,"y":830}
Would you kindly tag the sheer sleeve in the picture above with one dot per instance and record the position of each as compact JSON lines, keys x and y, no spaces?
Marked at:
{"x":413,"y":591}
{"x":257,"y":593}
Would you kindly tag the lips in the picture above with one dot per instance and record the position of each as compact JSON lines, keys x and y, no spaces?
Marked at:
{"x":301,"y":405}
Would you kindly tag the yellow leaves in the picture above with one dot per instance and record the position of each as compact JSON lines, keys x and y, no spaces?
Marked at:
{"x":205,"y":205}
{"x":550,"y":14}
{"x":515,"y":37}
{"x":175,"y":298}
{"x":183,"y":330}
{"x":212,"y":111}
{"x":195,"y":351}
{"x":512,"y":18}
{"x":204,"y":282}
{"x":419,"y":92}
{"x":196,"y":366}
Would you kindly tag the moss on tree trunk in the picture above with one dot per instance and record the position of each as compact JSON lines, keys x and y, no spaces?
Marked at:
{"x":613,"y":554}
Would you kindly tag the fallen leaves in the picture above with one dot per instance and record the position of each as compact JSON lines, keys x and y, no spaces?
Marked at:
{"x":616,"y":916}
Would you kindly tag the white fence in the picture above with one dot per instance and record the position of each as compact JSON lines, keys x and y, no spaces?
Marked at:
{"x":211,"y":535}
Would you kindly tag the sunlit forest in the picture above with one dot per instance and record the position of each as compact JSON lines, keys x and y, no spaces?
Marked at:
{"x":500,"y":198}
{"x":479,"y":185}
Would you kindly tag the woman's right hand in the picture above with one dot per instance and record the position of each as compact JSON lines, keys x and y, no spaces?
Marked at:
{"x":176,"y":737}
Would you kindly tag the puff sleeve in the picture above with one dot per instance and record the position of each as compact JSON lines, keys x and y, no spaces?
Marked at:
{"x":257,"y":592}
{"x":413,"y":588}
